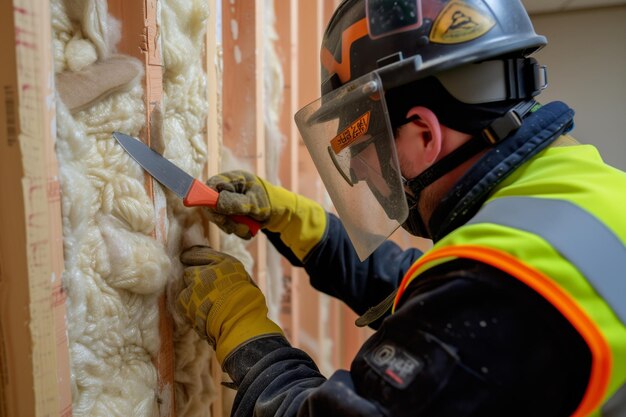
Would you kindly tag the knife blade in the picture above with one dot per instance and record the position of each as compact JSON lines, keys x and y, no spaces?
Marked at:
{"x":192,"y":191}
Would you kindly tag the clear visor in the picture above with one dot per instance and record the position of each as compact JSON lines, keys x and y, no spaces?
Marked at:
{"x":349,"y":137}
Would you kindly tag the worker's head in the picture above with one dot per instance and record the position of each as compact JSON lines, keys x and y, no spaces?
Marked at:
{"x":405,"y":83}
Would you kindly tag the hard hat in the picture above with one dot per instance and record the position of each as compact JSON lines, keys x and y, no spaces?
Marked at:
{"x":466,"y":60}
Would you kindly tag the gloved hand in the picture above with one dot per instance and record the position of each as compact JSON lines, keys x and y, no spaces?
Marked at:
{"x":301,"y":222}
{"x":80,"y":89}
{"x":221,"y":301}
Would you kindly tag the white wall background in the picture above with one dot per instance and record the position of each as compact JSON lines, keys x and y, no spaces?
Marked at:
{"x":586,"y":59}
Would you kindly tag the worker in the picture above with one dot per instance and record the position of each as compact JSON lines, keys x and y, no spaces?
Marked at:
{"x":428,"y":120}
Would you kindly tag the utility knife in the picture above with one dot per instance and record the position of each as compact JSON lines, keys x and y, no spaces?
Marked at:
{"x":192,"y":191}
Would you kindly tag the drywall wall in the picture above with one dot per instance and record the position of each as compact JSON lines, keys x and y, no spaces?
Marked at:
{"x":586,"y":61}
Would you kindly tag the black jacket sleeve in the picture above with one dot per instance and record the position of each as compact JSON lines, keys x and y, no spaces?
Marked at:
{"x":335,"y":269}
{"x":466,"y":340}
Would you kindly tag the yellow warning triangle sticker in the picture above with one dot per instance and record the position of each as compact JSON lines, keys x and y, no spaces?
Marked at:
{"x":461,"y":22}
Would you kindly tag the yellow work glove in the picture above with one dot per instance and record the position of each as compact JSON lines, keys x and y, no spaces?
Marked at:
{"x":301,"y":222}
{"x":221,"y":301}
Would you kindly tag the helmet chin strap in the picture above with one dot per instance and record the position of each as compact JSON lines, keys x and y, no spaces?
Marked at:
{"x":494,"y":133}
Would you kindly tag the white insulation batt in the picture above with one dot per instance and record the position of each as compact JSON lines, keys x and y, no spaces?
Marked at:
{"x":185,"y":105}
{"x":115,"y":270}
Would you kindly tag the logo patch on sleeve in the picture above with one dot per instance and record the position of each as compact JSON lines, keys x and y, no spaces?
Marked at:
{"x":394,"y":364}
{"x":461,"y":21}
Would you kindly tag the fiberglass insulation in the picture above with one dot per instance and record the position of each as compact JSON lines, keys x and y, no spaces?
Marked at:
{"x":115,"y":270}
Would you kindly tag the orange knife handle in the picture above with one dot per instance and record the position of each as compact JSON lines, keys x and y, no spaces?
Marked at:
{"x":252,"y":224}
{"x":202,"y":195}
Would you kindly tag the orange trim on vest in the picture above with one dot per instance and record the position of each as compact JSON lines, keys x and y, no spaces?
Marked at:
{"x":601,"y":353}
{"x":348,"y":37}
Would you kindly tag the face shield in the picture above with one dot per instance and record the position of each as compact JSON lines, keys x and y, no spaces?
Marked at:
{"x":350,"y":139}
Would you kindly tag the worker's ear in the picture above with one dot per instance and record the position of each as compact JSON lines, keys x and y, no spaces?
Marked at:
{"x":429,"y":134}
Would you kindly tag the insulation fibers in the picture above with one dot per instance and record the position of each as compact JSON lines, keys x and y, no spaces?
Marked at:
{"x":114,"y":270}
{"x":79,"y":53}
{"x":81,"y":19}
{"x":185,"y":106}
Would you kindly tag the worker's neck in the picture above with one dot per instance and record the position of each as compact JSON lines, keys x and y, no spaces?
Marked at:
{"x":433,"y":194}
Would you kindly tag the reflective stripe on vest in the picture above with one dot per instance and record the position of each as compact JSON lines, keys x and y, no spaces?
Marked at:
{"x":590,"y":246}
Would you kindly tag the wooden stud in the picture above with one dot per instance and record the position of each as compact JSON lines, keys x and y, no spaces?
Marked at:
{"x":214,"y":126}
{"x":141,"y":39}
{"x":305,"y":300}
{"x":287,"y":48}
{"x":242,"y":98}
{"x":34,"y":358}
{"x":311,"y":334}
{"x":214,"y":141}
{"x":242,"y":124}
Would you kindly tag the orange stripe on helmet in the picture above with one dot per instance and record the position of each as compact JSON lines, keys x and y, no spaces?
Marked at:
{"x":357,"y":31}
{"x":601,"y":353}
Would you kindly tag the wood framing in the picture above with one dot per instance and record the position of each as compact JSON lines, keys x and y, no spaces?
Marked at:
{"x":213,"y":65}
{"x":214,"y":127}
{"x":324,"y":328}
{"x":242,"y":97}
{"x":287,"y":49}
{"x":33,"y":339}
{"x":141,"y":39}
{"x":36,"y":381}
{"x":305,"y":300}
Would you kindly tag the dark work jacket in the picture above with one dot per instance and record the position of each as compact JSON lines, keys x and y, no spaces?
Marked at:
{"x":465,"y":340}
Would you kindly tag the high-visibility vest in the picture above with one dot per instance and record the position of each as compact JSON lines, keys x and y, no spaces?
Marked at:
{"x":558,"y":224}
